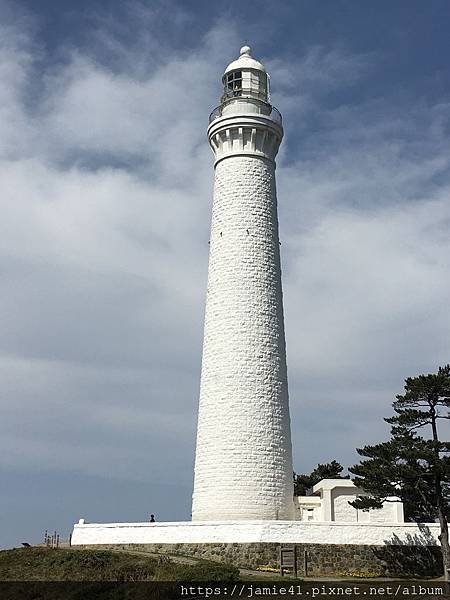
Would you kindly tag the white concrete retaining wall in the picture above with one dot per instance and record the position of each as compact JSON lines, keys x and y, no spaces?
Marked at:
{"x":289,"y":532}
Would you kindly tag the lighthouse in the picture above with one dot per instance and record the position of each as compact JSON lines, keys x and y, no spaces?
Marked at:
{"x":243,"y":462}
{"x":243,"y":483}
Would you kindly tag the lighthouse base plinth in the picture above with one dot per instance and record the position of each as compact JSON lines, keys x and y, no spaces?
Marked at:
{"x":281,"y":532}
{"x":322,"y":549}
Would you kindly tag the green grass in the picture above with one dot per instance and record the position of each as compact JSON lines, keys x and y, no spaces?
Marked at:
{"x":46,"y":564}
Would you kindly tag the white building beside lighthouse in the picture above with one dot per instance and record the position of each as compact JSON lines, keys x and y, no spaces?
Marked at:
{"x":243,"y":466}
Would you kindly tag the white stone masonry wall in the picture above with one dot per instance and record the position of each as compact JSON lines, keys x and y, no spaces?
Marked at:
{"x":293,"y":532}
{"x":243,"y":464}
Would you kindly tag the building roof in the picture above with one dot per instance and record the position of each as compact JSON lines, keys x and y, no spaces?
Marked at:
{"x":330,"y":484}
{"x":245,"y":61}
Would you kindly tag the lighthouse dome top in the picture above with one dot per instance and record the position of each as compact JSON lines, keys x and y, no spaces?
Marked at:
{"x":245,"y":61}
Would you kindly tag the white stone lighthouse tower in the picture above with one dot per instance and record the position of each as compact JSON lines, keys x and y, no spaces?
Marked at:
{"x":243,"y":466}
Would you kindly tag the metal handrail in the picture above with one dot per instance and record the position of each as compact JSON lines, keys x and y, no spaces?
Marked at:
{"x":274,"y":114}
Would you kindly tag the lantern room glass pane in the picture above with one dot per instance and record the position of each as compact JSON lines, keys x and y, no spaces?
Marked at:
{"x":234,"y":83}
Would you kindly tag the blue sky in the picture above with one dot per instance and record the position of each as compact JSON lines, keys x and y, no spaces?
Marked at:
{"x":106,"y":181}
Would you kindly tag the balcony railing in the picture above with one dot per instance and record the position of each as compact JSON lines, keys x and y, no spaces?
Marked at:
{"x":270,"y":112}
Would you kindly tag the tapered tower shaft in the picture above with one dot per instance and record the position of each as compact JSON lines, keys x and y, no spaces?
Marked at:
{"x":243,"y":467}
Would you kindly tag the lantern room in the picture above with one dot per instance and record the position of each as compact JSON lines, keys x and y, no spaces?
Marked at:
{"x":245,"y":78}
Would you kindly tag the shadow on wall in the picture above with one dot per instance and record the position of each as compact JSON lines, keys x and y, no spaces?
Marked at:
{"x":417,"y":555}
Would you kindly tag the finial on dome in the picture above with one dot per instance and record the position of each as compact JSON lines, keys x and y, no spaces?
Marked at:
{"x":245,"y":50}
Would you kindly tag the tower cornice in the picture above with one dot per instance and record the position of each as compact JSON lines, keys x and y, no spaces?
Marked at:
{"x":245,"y":134}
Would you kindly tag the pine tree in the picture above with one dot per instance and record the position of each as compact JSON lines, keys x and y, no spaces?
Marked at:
{"x":412,"y":467}
{"x":303,"y":483}
{"x":401,"y":467}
